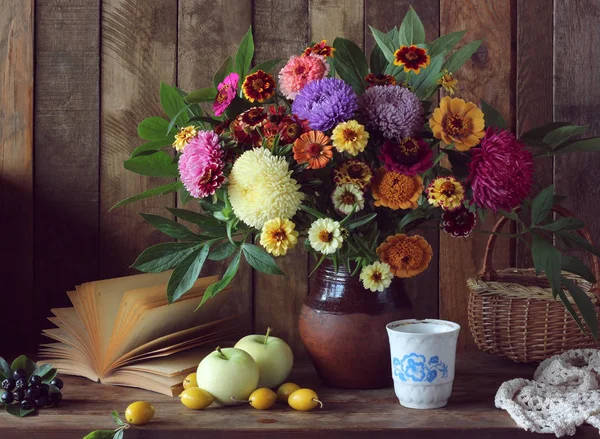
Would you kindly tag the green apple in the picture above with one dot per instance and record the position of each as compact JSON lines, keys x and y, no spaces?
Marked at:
{"x":228,"y":374}
{"x":273,"y":356}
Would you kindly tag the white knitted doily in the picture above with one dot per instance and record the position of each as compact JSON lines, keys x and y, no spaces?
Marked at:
{"x":564,"y":393}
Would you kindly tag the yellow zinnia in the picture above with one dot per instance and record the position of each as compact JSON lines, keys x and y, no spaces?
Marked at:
{"x":446,"y":192}
{"x":458,"y":121}
{"x":183,"y":137}
{"x":377,"y":276}
{"x":407,"y":256}
{"x":448,"y":82}
{"x":350,"y":137}
{"x":278,"y":236}
{"x":396,"y":191}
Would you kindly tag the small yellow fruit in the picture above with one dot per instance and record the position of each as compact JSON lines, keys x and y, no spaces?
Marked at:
{"x":139,"y":413}
{"x":190,"y":381}
{"x":285,"y":390}
{"x":262,"y":399}
{"x":304,"y":400}
{"x":196,"y":398}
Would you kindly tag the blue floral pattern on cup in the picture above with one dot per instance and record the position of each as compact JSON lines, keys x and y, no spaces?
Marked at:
{"x":415,"y":367}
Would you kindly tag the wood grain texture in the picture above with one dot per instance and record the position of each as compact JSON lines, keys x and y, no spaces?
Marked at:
{"x":346,"y":414}
{"x":139,"y":40}
{"x":281,"y":30}
{"x":486,"y":76}
{"x":337,"y":18}
{"x":206,"y":36}
{"x":16,"y":171}
{"x":67,"y":111}
{"x":577,"y":99}
{"x":534,"y":87}
{"x":422,"y":290}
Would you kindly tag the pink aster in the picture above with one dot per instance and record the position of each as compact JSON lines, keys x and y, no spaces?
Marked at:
{"x":226,"y":91}
{"x":201,"y":165}
{"x":410,"y":156}
{"x":501,"y":171}
{"x":299,"y":71}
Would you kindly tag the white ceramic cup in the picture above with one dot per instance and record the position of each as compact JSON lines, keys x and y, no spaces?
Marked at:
{"x":423,"y":358}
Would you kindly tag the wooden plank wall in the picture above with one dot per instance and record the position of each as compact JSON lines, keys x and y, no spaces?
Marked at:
{"x":78,"y":75}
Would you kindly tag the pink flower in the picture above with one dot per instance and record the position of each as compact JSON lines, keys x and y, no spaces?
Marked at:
{"x":201,"y":165}
{"x":299,"y":71}
{"x":501,"y":171}
{"x":410,"y":156}
{"x":226,"y":91}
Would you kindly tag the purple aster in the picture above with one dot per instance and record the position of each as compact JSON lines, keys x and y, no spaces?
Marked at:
{"x":393,"y":110}
{"x":325,"y":103}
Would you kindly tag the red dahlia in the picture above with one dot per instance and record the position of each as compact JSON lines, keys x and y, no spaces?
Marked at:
{"x":459,"y":222}
{"x":410,"y":156}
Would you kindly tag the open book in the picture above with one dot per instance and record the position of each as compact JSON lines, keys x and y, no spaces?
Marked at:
{"x":123,"y":332}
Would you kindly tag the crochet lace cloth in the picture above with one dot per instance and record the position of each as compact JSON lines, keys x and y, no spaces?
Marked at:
{"x":564,"y":393}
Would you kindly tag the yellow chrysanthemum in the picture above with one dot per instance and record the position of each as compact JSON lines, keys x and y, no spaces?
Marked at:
{"x":261,"y":188}
{"x":458,"y":121}
{"x":278,"y":236}
{"x":448,"y":82}
{"x":377,"y":276}
{"x":396,"y":191}
{"x":350,"y":137}
{"x":407,"y":256}
{"x":446,"y":192}
{"x":325,"y":235}
{"x":183,"y":137}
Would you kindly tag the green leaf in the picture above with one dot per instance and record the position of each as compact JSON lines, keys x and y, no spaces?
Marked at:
{"x":561,"y":135}
{"x":186,"y":273}
{"x":243,"y":57}
{"x":411,"y":216}
{"x":154,"y":145}
{"x":207,"y":94}
{"x":321,"y":260}
{"x":266,"y":66}
{"x":580,"y":241}
{"x":209,"y":225}
{"x":118,"y":434}
{"x":154,"y":128}
{"x":222,"y":251}
{"x":425,"y":80}
{"x":16,"y":410}
{"x":164,"y":256}
{"x":220,"y":285}
{"x":378,"y":61}
{"x":5,"y":370}
{"x":584,"y":145}
{"x":542,"y":205}
{"x":185,"y":196}
{"x":493,"y":118}
{"x":576,"y":266}
{"x":585,"y":305}
{"x":569,"y":307}
{"x":157,"y":164}
{"x":411,"y":29}
{"x":459,"y":57}
{"x":565,"y":223}
{"x":171,"y":228}
{"x":260,"y":260}
{"x":445,"y":43}
{"x":211,"y":207}
{"x":22,"y":362}
{"x":350,"y":63}
{"x":48,"y":377}
{"x":546,"y":257}
{"x":538,"y":133}
{"x":176,"y":119}
{"x":42,"y":370}
{"x":312,"y":211}
{"x":385,"y":43}
{"x":101,"y":434}
{"x":115,"y":415}
{"x":360,"y":221}
{"x":225,"y":69}
{"x":160,"y":190}
{"x":173,"y":104}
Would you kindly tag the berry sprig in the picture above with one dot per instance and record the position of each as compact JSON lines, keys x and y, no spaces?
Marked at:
{"x":117,"y":433}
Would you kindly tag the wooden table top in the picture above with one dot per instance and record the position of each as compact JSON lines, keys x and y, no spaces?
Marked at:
{"x":347,"y":413}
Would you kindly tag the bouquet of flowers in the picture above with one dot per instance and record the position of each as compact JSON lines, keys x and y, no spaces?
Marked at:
{"x":350,"y":155}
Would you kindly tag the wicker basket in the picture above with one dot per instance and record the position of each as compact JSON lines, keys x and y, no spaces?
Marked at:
{"x":512,"y":312}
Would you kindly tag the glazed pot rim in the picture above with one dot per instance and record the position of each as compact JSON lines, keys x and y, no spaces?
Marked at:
{"x":442,"y":327}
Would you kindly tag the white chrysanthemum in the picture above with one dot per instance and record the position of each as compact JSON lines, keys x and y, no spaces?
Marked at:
{"x":348,"y":197}
{"x":325,"y":235}
{"x":377,"y":276}
{"x":261,"y":188}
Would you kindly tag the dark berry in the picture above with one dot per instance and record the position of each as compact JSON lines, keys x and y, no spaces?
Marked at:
{"x":42,"y":401}
{"x":21,"y":384}
{"x":7,"y":398}
{"x":26,"y":404}
{"x":20,"y":374}
{"x":54,"y":398}
{"x":35,"y":380}
{"x":19,"y":395}
{"x":33,"y":392}
{"x":8,"y":384}
{"x":44,"y":388}
{"x":57,"y":382}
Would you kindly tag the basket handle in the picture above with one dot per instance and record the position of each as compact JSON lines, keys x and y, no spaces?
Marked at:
{"x":489,"y":274}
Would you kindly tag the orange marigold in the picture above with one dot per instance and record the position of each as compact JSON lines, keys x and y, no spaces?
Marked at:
{"x":313,"y":148}
{"x":396,"y":191}
{"x":407,"y":256}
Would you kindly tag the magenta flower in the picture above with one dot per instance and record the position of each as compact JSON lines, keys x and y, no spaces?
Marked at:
{"x":201,"y":165}
{"x":410,"y":156}
{"x":501,"y":171}
{"x":226,"y":91}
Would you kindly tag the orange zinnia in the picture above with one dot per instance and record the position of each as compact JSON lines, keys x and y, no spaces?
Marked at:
{"x":313,"y":148}
{"x":407,"y":256}
{"x":411,"y":58}
{"x":396,"y":191}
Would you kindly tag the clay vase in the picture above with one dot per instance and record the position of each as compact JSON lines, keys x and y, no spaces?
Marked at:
{"x":343,"y":329}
